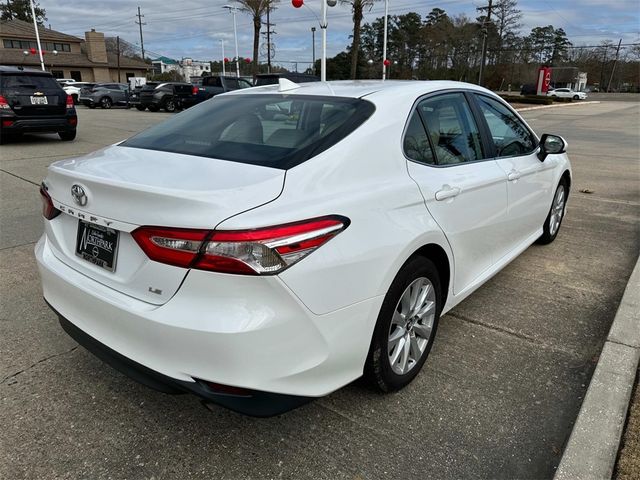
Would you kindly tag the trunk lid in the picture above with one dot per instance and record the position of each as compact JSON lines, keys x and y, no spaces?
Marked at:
{"x":129,"y":187}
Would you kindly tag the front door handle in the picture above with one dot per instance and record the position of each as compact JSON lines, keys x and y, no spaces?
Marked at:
{"x":513,"y":175}
{"x":447,"y":192}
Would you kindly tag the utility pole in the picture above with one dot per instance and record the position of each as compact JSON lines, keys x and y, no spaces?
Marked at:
{"x":268,"y":37}
{"x":484,"y":40}
{"x":118,"y":52}
{"x":35,"y":25}
{"x":313,"y":48}
{"x":232,"y":10}
{"x":384,"y":40}
{"x":323,"y":26}
{"x":614,"y":65}
{"x":140,"y":23}
{"x":224,"y":71}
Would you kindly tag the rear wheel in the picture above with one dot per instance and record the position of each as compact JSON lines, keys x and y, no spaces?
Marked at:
{"x":169,"y":105}
{"x":552,"y":224}
{"x":67,"y":136}
{"x":406,"y":326}
{"x":142,"y":108}
{"x":152,"y":108}
{"x":105,"y":102}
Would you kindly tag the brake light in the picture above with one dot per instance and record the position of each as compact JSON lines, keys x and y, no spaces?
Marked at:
{"x":4,"y":105}
{"x":261,"y":251}
{"x":69,"y":101}
{"x":194,"y":90}
{"x":7,"y":123}
{"x":48,"y":210}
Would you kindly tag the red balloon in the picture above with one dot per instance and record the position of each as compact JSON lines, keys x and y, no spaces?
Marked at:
{"x":226,"y":60}
{"x":248,"y":60}
{"x":32,"y":51}
{"x":297,"y":3}
{"x":387,"y":62}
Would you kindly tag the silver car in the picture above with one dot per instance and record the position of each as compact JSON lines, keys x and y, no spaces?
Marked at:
{"x":105,"y":95}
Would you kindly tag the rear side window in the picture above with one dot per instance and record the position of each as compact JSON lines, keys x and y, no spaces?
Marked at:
{"x":452,"y":129}
{"x":509,"y":134}
{"x":416,"y":143}
{"x":12,"y":82}
{"x":279,"y":131}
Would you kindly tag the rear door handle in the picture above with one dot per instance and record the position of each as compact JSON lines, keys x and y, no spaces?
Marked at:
{"x":447,"y":192}
{"x":513,"y":175}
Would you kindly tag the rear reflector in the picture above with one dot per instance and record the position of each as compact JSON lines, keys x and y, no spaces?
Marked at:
{"x":73,"y":121}
{"x":48,"y":210}
{"x":260,"y":251}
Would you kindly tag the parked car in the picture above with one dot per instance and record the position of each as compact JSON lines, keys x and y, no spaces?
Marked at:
{"x":274,"y":78}
{"x":215,"y":85}
{"x":170,"y":96}
{"x":528,"y":89}
{"x":105,"y":95}
{"x":74,"y":88}
{"x":31,"y":101}
{"x":566,"y":93}
{"x":263,"y":262}
{"x":64,"y":81}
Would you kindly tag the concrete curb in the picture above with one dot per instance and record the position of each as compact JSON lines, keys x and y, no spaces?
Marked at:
{"x":556,"y":105}
{"x":593,"y":445}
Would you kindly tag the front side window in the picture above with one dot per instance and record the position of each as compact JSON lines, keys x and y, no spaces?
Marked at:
{"x":278,"y":131}
{"x":452,"y":129}
{"x":509,"y":134}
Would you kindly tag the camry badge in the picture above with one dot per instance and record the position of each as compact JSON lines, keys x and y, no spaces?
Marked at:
{"x":79,"y":195}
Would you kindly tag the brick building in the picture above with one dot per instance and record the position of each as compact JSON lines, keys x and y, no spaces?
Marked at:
{"x":83,"y":60}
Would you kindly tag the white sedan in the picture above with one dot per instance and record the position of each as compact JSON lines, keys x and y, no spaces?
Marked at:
{"x":261,"y":259}
{"x":567,"y":93}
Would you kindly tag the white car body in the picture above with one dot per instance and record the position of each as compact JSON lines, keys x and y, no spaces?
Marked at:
{"x":73,"y":89}
{"x":567,"y":93}
{"x":307,"y":330}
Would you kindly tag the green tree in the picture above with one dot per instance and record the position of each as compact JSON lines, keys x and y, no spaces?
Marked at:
{"x":21,"y":10}
{"x":256,"y":8}
{"x":357,"y":8}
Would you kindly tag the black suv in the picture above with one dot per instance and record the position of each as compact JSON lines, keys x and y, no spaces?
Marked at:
{"x":32,"y":101}
{"x":170,"y":96}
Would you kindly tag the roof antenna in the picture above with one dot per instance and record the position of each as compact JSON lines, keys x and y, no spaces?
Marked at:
{"x":285,"y":85}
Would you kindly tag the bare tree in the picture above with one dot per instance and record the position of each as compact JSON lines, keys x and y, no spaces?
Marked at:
{"x":256,"y":8}
{"x":357,"y":8}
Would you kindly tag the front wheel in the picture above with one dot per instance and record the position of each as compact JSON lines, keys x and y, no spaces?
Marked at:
{"x":406,"y":326}
{"x":152,"y":108}
{"x":142,"y":108}
{"x":576,"y":97}
{"x":169,"y":105}
{"x":105,"y":102}
{"x":552,"y":224}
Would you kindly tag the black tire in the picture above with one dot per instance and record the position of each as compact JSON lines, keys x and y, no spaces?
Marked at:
{"x":576,"y":97}
{"x":152,"y":108}
{"x":169,"y":105}
{"x":106,"y":103}
{"x":142,"y":108}
{"x":67,"y":136}
{"x":378,"y":370}
{"x":548,"y":233}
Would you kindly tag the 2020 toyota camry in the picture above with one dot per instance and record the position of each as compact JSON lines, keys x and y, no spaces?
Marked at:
{"x":273,"y":244}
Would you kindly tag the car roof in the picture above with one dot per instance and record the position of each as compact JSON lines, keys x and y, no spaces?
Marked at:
{"x":363,"y":88}
{"x":31,"y":71}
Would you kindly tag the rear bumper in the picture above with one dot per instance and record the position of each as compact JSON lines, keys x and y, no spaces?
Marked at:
{"x":245,"y":332}
{"x":51,"y":124}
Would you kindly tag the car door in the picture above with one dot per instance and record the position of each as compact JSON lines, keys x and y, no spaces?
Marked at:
{"x":463,"y":190}
{"x":529,"y":181}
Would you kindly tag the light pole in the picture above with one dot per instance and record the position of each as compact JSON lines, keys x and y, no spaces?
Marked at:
{"x":313,"y":48}
{"x":323,"y":26}
{"x":35,"y":25}
{"x":233,"y":9}
{"x":384,"y":41}
{"x":224,"y":71}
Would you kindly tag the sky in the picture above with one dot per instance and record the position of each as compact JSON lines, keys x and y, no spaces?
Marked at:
{"x":192,"y":28}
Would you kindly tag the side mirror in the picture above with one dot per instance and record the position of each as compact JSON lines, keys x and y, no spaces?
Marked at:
{"x":551,"y":145}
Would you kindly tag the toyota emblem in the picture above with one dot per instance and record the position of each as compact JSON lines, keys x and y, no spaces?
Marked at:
{"x":79,"y":195}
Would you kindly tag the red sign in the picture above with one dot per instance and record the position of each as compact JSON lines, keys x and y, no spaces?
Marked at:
{"x":544,"y":80}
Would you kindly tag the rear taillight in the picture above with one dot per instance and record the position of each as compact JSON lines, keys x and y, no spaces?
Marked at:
{"x":4,"y":105}
{"x":48,"y":210}
{"x":69,"y":101}
{"x":260,"y":251}
{"x":194,"y":90}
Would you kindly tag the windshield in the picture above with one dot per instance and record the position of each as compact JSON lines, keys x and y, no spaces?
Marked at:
{"x":278,"y":131}
{"x":27,"y":81}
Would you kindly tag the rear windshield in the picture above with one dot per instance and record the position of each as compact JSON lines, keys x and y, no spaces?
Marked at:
{"x":9,"y":82}
{"x":278,"y":131}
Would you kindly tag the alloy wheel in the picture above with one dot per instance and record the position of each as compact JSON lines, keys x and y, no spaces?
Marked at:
{"x":411,"y":325}
{"x":557,"y":210}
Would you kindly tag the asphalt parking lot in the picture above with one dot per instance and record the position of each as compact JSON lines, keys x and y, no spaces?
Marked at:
{"x":497,"y":398}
